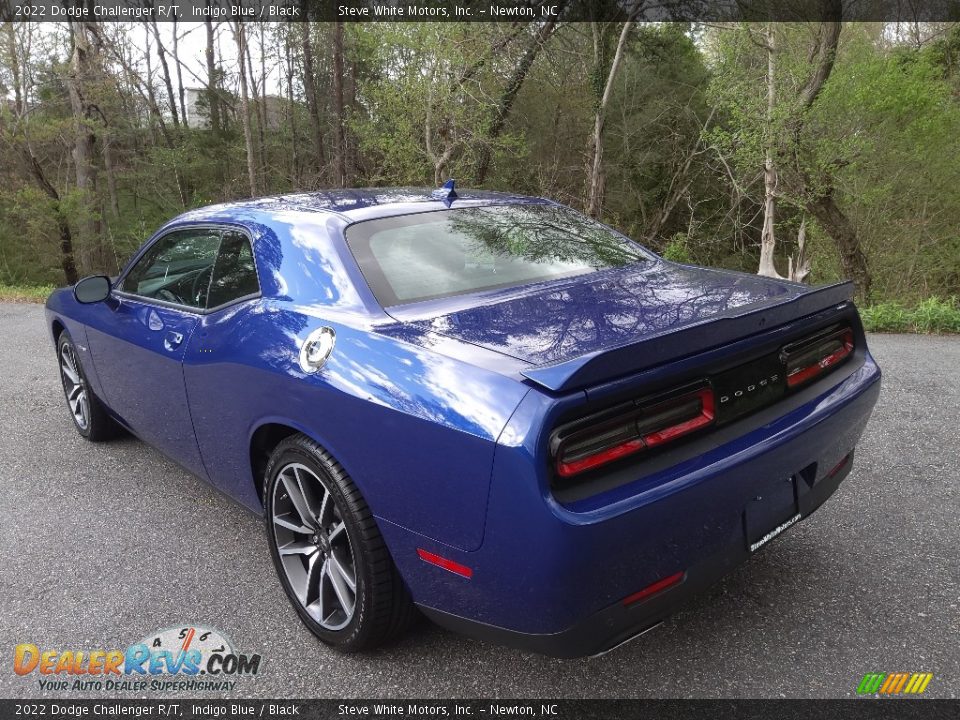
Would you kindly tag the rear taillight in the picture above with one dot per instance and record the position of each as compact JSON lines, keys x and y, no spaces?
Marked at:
{"x":611,"y":438}
{"x":813,"y":357}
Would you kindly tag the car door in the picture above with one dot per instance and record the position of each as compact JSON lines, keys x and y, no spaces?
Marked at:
{"x":222,"y":366}
{"x":138,"y":338}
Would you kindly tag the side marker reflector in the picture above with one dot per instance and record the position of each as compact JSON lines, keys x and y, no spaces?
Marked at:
{"x":656,"y":587}
{"x":442,"y":562}
{"x":839,"y":466}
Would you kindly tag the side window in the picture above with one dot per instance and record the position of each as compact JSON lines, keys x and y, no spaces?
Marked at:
{"x":235,"y":273}
{"x":176,"y":268}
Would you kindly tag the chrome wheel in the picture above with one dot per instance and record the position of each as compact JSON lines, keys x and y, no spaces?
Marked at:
{"x":314,"y":547}
{"x":74,"y":386}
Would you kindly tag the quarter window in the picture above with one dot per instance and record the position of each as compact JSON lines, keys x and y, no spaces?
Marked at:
{"x":235,"y":273}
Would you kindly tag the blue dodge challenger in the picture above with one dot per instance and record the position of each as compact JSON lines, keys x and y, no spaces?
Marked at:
{"x":484,"y":406}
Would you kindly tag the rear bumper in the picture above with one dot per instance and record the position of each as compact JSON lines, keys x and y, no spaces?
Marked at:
{"x":552,"y":577}
{"x":619,"y":623}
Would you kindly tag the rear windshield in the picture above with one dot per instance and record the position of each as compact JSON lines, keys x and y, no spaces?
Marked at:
{"x":438,"y":254}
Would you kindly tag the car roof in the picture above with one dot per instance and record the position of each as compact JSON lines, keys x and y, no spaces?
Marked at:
{"x":359,"y":204}
{"x":288,"y":232}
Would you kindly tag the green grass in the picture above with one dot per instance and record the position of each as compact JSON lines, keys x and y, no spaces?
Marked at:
{"x":932,"y":315}
{"x":25,"y":293}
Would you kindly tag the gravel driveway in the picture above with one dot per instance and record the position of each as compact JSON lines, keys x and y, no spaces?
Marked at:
{"x":101,"y":545}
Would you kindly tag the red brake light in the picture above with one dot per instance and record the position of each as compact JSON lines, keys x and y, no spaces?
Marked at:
{"x":811,"y":358}
{"x":633,"y":432}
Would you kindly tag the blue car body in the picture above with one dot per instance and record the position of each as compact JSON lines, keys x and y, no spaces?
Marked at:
{"x":442,"y":411}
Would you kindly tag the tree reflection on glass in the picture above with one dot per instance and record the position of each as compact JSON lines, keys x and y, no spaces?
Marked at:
{"x":439,"y":254}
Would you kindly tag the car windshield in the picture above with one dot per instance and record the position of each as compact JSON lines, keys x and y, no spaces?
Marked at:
{"x":438,"y":254}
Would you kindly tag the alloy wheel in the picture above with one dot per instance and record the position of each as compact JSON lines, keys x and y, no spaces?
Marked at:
{"x":314,"y":546}
{"x":74,"y":386}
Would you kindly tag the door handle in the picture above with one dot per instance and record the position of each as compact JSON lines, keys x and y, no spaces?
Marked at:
{"x":173,"y":340}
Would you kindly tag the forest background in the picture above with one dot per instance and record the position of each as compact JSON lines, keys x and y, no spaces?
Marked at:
{"x":815,"y":151}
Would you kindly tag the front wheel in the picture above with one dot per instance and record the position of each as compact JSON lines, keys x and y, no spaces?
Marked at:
{"x":328,"y":552}
{"x":88,"y":414}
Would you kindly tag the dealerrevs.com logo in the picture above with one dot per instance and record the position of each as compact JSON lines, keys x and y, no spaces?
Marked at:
{"x":189,"y":658}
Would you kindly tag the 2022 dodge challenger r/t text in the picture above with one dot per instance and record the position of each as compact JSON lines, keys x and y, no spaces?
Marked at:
{"x":481,"y":405}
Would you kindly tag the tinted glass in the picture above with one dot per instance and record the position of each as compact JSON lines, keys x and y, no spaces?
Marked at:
{"x":176,"y":268}
{"x":451,"y":252}
{"x":235,"y":274}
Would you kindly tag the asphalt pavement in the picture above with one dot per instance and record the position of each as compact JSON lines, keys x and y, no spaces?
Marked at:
{"x":102,"y":544}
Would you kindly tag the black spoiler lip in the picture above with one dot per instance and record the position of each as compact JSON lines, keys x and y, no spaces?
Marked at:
{"x":658,"y":348}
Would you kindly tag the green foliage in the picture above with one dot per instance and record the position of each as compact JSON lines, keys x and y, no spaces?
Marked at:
{"x":419,"y":118}
{"x":886,"y":317}
{"x":932,"y":315}
{"x":684,"y":141}
{"x":889,"y":129}
{"x":677,"y":250}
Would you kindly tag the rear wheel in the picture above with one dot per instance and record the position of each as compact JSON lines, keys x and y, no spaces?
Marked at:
{"x":89,"y":416}
{"x":328,"y":552}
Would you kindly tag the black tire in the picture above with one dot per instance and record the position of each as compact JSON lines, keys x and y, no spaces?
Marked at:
{"x":382,"y":608}
{"x":98,"y":425}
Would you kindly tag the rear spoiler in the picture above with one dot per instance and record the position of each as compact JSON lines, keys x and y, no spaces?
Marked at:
{"x":658,"y":348}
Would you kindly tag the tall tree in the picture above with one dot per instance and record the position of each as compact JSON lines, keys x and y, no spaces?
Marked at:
{"x":339,"y":121}
{"x":501,"y":110}
{"x":213,"y":79}
{"x":820,"y":200}
{"x":291,"y":108}
{"x":595,"y":175}
{"x":167,"y":79}
{"x":771,"y":131}
{"x":768,"y":240}
{"x":181,"y":94}
{"x":310,"y":90}
{"x":79,"y":81}
{"x":240,"y":36}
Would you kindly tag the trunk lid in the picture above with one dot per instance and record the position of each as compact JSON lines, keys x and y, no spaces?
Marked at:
{"x":612,"y":323}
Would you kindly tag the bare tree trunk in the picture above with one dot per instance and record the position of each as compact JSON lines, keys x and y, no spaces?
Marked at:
{"x":292,"y":112}
{"x":595,"y":174}
{"x":822,"y":204}
{"x":505,"y":105}
{"x":259,"y":92}
{"x":257,"y":106}
{"x":340,"y":146}
{"x":439,"y":159}
{"x":77,"y":78}
{"x":107,"y":152}
{"x":239,"y":34}
{"x":213,"y":94}
{"x":353,"y":158}
{"x":310,"y":90}
{"x":14,"y":61}
{"x":150,"y":94}
{"x":839,"y":227}
{"x":768,"y":240}
{"x":798,"y":266}
{"x":176,"y":64}
{"x":168,"y":82}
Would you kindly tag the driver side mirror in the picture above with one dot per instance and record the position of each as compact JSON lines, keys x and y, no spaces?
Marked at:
{"x":93,"y":289}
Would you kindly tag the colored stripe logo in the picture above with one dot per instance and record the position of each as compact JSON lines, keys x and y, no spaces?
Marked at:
{"x":894,"y":683}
